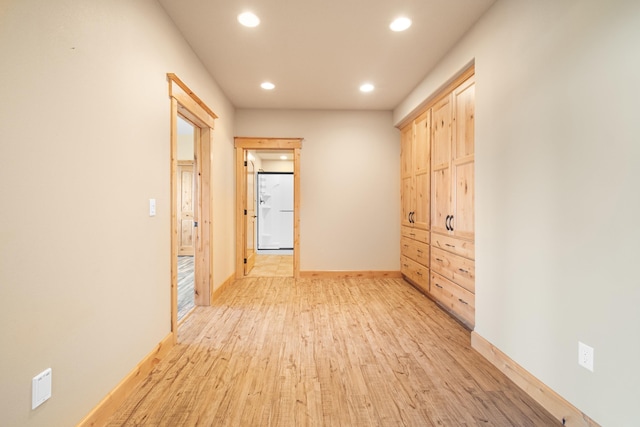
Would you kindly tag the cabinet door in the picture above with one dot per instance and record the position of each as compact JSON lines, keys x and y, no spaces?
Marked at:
{"x":422,"y":170}
{"x":463,"y":161}
{"x":441,"y":165}
{"x":406,"y":151}
{"x":406,"y":173}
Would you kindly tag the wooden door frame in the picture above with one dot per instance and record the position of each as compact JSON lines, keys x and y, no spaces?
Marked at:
{"x":243,"y":144}
{"x":186,"y":104}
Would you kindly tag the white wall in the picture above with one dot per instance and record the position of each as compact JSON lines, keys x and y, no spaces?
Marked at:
{"x":84,"y":270}
{"x":557,"y":192}
{"x":277,"y":165}
{"x":350,"y":185}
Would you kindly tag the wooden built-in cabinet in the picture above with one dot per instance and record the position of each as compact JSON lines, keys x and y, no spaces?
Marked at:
{"x":416,"y":172}
{"x":449,"y":121}
{"x":416,"y":191}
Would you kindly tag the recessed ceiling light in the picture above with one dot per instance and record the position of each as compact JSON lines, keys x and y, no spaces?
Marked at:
{"x":400,"y":24}
{"x":267,"y":86}
{"x":248,"y":19}
{"x":283,"y":157}
{"x":367,"y":87}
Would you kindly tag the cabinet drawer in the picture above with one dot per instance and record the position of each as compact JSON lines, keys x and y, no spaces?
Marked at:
{"x":419,"y":274}
{"x":456,"y":299}
{"x":454,"y":245}
{"x":415,"y":250}
{"x":455,"y":268}
{"x":416,"y":234}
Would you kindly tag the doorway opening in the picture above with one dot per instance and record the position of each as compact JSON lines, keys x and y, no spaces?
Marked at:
{"x":191,"y":201}
{"x":267,"y":233}
{"x":186,"y":219}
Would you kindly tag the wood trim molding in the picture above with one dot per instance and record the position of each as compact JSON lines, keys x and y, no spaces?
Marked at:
{"x":101,"y":413}
{"x":173,"y":92}
{"x":346,"y":274}
{"x":251,"y":143}
{"x":557,"y":406}
{"x":216,"y":293}
{"x":296,"y":213}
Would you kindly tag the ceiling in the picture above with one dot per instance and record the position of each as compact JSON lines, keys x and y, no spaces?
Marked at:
{"x":319,"y":52}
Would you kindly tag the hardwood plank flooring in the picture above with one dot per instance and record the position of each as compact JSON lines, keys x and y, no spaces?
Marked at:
{"x":186,"y":298}
{"x":325,"y":352}
{"x":272,"y":266}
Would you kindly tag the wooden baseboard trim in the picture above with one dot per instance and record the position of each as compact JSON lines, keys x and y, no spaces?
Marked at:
{"x":101,"y":413}
{"x":215,"y":294}
{"x":540,"y":392}
{"x":345,"y":274}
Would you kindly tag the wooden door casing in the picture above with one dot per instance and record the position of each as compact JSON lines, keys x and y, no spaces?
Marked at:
{"x":250,"y":217}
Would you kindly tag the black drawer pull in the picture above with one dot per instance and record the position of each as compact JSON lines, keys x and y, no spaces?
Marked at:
{"x":463,"y":301}
{"x":405,"y":266}
{"x":412,"y":234}
{"x":406,"y":246}
{"x":438,"y":259}
{"x":419,"y":251}
{"x":438,"y":286}
{"x":451,"y":246}
{"x":418,"y":273}
{"x":463,"y":270}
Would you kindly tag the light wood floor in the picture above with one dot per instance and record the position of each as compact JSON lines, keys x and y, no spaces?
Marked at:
{"x":318,"y":352}
{"x":272,"y":266}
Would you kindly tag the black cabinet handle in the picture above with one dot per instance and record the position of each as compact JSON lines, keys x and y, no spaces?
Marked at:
{"x":438,"y":286}
{"x":451,"y":246}
{"x":418,"y":273}
{"x":462,"y":270}
{"x":446,"y":223}
{"x":463,"y":301}
{"x":451,"y":223}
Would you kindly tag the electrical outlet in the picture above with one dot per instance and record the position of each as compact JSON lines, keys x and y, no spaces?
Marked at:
{"x":585,"y":356}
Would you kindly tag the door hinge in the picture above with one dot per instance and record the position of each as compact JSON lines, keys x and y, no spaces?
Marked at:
{"x":245,"y":260}
{"x":245,"y":211}
{"x":195,"y":223}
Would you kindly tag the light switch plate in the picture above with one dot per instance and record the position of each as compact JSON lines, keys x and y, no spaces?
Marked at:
{"x":41,"y":388}
{"x":152,"y":207}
